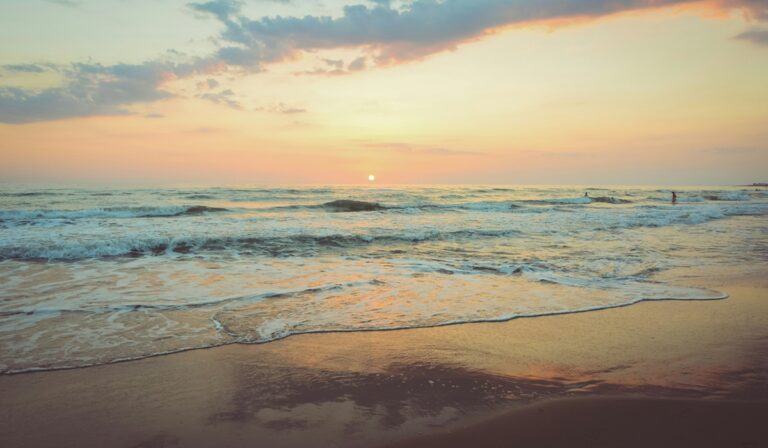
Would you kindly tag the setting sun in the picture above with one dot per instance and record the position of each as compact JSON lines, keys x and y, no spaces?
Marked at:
{"x":186,"y":227}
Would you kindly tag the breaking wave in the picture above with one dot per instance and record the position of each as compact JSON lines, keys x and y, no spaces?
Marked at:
{"x":125,"y":274}
{"x":276,"y":246}
{"x":110,"y":212}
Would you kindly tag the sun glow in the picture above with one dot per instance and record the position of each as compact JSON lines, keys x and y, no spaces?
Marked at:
{"x":371,"y":178}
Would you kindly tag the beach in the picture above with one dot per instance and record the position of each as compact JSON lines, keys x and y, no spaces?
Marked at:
{"x":660,"y":373}
{"x":383,"y":224}
{"x":608,"y":422}
{"x":91,"y":277}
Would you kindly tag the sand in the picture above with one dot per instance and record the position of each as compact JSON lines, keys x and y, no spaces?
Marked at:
{"x":614,"y":422}
{"x":652,"y":374}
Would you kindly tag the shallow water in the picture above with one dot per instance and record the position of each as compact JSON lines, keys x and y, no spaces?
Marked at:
{"x":95,"y":276}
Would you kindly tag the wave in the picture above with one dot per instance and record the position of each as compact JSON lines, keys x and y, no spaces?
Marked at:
{"x":214,"y":304}
{"x":199,"y":210}
{"x":683,"y":198}
{"x":577,"y":200}
{"x":680,"y":198}
{"x":513,"y":205}
{"x":352,"y":205}
{"x":360,"y":206}
{"x":349,"y":205}
{"x":304,"y":244}
{"x":480,"y":206}
{"x":238,"y":327}
{"x":278,"y":246}
{"x":30,"y":194}
{"x":581,"y":200}
{"x":200,"y":196}
{"x":238,"y":324}
{"x":110,"y":212}
{"x":262,"y":193}
{"x":610,"y":200}
{"x":729,"y":197}
{"x":490,"y":206}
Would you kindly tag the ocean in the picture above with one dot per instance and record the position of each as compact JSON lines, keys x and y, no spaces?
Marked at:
{"x":93,"y":276}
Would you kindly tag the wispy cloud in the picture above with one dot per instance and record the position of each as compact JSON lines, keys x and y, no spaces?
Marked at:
{"x":205,"y":130}
{"x":28,"y":68}
{"x":281,"y":108}
{"x":757,"y":36}
{"x":208,"y":84}
{"x":337,"y":67}
{"x":90,"y":89}
{"x":407,"y":148}
{"x":225,"y":97}
{"x":68,"y":3}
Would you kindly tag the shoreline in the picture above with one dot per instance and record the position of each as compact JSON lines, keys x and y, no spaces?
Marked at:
{"x":381,"y":388}
{"x":724,"y":296}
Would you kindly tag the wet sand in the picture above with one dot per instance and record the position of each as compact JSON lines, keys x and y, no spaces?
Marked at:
{"x":651,"y":374}
{"x":615,"y":422}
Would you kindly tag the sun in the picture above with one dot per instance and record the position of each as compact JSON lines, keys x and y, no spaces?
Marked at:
{"x":371,"y":177}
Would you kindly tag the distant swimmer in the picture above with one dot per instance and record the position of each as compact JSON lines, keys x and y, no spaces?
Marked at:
{"x":586,"y":194}
{"x":674,"y":197}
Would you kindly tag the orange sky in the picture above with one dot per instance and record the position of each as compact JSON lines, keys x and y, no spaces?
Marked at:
{"x":667,"y":96}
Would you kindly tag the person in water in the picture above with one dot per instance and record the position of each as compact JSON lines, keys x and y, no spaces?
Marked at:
{"x":586,"y":194}
{"x":674,"y":197}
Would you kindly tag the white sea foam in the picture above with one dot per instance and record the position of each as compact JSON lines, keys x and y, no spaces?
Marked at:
{"x":735,"y":196}
{"x":108,"y":277}
{"x":577,"y":200}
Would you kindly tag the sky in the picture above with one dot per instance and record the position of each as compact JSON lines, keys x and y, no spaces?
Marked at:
{"x":584,"y":92}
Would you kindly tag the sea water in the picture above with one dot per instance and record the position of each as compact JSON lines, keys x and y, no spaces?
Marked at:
{"x":92,"y":276}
